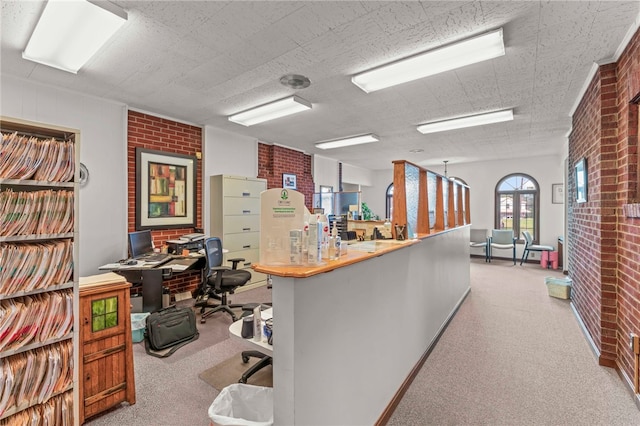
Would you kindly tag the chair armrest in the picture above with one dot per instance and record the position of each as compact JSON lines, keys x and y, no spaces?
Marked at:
{"x":218,"y":280}
{"x":235,"y":262}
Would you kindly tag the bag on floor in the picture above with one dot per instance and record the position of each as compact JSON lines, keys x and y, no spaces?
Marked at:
{"x":169,"y":329}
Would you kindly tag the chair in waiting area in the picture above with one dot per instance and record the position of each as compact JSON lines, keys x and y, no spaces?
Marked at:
{"x":529,"y":246}
{"x":219,"y":281}
{"x":479,"y":239}
{"x":502,"y":239}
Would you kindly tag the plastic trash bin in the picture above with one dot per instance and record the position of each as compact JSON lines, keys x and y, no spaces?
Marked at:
{"x":138,"y":324}
{"x":240,"y":404}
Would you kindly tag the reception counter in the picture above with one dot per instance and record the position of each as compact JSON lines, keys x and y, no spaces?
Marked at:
{"x":348,"y":333}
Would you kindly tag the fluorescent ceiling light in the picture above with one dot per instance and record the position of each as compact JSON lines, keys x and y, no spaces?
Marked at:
{"x":468,"y":121}
{"x":271,"y":111}
{"x":70,"y":32}
{"x":446,"y":58}
{"x":355,"y":140}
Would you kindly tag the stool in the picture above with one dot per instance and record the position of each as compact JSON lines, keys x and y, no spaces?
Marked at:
{"x":549,"y":259}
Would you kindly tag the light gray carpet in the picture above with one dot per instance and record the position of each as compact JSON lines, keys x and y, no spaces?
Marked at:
{"x":514,"y":356}
{"x":230,"y":370}
{"x":511,"y":356}
{"x":168,"y":390}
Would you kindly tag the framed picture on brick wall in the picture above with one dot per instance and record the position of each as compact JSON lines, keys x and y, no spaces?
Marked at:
{"x":165,"y":190}
{"x":581,"y":181}
{"x":289,"y":181}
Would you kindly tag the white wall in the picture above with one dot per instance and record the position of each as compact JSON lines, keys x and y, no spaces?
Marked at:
{"x":325,"y":172}
{"x":226,"y":153}
{"x":356,"y":175}
{"x":102,"y":125}
{"x":375,"y":195}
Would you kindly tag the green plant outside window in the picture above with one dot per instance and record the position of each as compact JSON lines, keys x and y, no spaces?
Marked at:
{"x":104,"y":314}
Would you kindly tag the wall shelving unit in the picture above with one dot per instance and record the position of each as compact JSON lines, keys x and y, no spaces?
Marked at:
{"x":38,"y":272}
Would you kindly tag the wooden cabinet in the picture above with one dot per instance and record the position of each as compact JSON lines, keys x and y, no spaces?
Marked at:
{"x":38,"y":272}
{"x":106,"y":355}
{"x":235,"y":219}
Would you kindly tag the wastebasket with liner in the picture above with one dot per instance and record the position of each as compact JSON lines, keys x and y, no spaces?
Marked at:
{"x":138,"y":324}
{"x":558,"y":287}
{"x":240,"y":404}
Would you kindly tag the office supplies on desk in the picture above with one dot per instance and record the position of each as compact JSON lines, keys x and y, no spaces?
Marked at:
{"x":178,"y":246}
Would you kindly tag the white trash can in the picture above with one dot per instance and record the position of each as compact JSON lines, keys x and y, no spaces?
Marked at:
{"x":240,"y":404}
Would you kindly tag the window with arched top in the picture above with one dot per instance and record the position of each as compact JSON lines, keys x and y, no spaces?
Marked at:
{"x":389,"y":202}
{"x":517,"y":201}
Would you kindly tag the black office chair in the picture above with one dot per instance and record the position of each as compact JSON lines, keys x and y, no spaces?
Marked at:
{"x":219,"y":281}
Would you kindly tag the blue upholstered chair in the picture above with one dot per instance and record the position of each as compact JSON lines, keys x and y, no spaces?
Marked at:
{"x":502,"y":239}
{"x":479,"y":239}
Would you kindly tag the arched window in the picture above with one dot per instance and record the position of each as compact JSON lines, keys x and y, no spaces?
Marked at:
{"x":388,"y":211}
{"x":517,"y":204}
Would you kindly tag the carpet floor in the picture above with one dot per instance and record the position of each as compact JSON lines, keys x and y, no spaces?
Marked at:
{"x":231,"y":369}
{"x":512,"y":355}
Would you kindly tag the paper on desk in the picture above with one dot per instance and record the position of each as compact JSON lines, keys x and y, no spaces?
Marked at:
{"x":178,"y":267}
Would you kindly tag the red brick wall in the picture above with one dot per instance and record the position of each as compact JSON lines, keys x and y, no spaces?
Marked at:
{"x":604,"y":244}
{"x":147,"y":131}
{"x":275,"y":160}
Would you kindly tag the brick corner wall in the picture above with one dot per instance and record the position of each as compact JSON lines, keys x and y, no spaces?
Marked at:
{"x":603,"y":243}
{"x":275,"y":160}
{"x":151,"y":132}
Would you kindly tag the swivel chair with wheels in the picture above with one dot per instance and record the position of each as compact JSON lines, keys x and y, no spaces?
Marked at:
{"x":529,"y":246}
{"x":219,"y":281}
{"x":502,"y":239}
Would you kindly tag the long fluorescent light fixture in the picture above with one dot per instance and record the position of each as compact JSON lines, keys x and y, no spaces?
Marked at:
{"x":70,"y":32}
{"x":355,"y":140}
{"x":468,"y":121}
{"x":446,"y":58}
{"x":271,"y":111}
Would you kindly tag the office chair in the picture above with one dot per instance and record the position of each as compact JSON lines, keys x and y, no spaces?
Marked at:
{"x":478,"y":238}
{"x":529,"y":246}
{"x":502,"y":239}
{"x":219,"y":281}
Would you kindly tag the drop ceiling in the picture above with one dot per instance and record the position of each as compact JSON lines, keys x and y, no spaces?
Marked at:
{"x":202,"y":61}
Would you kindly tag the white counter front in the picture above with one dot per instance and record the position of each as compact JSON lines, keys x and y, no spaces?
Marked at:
{"x":346,"y":340}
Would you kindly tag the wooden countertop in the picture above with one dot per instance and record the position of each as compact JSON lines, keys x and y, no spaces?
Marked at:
{"x":356,"y":252}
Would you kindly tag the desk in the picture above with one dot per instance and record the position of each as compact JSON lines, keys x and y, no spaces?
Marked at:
{"x":235,"y":331}
{"x":151,"y":275}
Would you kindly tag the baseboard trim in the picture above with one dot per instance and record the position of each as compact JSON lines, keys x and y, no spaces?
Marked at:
{"x":585,"y":332}
{"x":630,"y":385}
{"x":397,"y":397}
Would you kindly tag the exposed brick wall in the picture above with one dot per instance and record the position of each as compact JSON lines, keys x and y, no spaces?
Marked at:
{"x":150,"y":132}
{"x":604,"y":244}
{"x":275,"y":160}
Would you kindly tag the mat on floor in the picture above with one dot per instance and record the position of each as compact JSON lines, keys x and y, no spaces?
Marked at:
{"x":230,"y":370}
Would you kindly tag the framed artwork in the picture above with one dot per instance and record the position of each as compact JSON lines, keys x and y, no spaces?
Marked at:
{"x":165,"y":190}
{"x":557,"y":193}
{"x":581,"y":181}
{"x":289,"y":181}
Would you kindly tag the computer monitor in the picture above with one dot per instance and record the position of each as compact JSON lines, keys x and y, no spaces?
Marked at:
{"x":140,"y":243}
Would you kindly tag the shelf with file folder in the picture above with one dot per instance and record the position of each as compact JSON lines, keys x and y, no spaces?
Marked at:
{"x":35,"y":183}
{"x":35,"y":237}
{"x":19,"y":408}
{"x":37,"y":291}
{"x":8,"y":352}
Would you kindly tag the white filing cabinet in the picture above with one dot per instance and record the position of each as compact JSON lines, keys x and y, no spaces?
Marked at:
{"x":235,"y":219}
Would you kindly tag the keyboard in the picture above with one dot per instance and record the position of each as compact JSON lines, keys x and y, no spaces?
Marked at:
{"x":155,"y":257}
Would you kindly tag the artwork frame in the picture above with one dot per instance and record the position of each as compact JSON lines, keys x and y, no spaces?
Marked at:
{"x":165,"y":190}
{"x":557,"y":193}
{"x":289,"y":181}
{"x":581,"y":177}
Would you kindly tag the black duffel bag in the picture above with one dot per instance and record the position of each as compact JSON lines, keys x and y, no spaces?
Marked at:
{"x":169,"y":329}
